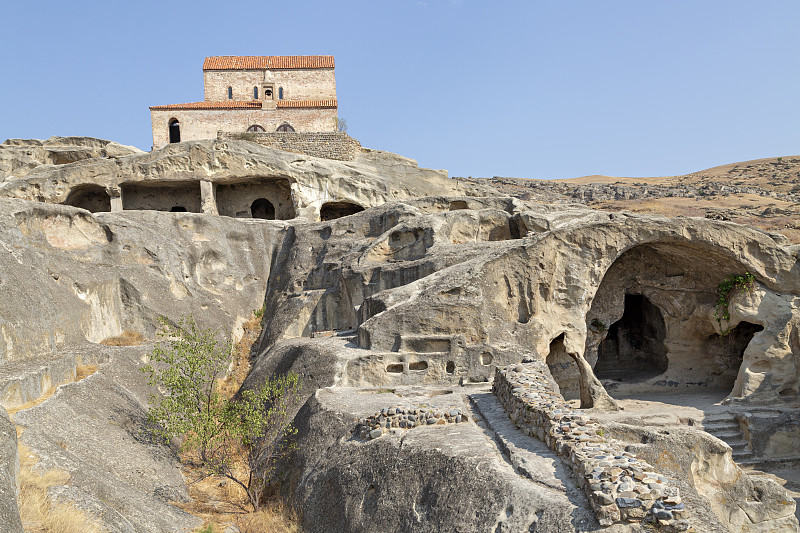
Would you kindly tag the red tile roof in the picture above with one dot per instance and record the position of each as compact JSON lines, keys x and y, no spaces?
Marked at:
{"x":229,"y":104}
{"x":266,"y":62}
{"x":307,"y":103}
{"x":246,"y":104}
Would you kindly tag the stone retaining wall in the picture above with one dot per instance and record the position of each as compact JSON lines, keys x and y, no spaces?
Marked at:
{"x":620,"y":487}
{"x":329,"y":145}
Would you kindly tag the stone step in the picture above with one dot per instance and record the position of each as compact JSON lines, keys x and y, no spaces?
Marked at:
{"x":744,"y":458}
{"x":728,"y":424}
{"x":737,"y":445}
{"x":727,"y":435}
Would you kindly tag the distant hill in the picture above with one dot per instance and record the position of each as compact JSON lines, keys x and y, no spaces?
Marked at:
{"x":762,"y":192}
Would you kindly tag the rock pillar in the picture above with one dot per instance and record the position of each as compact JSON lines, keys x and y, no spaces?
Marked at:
{"x":116,"y":199}
{"x":208,"y":197}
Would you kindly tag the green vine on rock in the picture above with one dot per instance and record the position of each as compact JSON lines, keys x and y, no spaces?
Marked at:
{"x":726,"y":287}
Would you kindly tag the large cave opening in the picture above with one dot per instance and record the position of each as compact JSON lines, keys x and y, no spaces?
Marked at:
{"x":634,"y":350}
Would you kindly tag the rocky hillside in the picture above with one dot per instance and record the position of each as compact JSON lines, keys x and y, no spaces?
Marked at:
{"x":465,"y":355}
{"x":763,"y":192}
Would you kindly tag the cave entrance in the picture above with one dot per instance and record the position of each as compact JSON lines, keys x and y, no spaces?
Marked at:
{"x":727,"y":352}
{"x":634,"y":349}
{"x":262,"y":208}
{"x":93,"y":198}
{"x":333,"y":210}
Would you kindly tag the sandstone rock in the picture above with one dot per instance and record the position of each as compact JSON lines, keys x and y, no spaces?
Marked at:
{"x":9,"y":475}
{"x":411,"y":304}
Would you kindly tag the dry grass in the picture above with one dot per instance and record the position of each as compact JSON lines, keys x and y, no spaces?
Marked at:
{"x":39,"y":514}
{"x":220,"y":502}
{"x":275,"y":518}
{"x":32,"y":403}
{"x":240,"y":367}
{"x":128,"y":338}
{"x":84,"y":371}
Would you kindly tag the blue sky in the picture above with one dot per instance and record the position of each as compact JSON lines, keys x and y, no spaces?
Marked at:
{"x":534,"y":89}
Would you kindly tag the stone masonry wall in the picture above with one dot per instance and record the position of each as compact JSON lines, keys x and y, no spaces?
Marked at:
{"x":204,"y":124}
{"x":620,"y":487}
{"x":298,"y":84}
{"x":329,"y":145}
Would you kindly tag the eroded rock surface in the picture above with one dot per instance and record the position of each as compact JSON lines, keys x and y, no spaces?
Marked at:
{"x":413,"y":298}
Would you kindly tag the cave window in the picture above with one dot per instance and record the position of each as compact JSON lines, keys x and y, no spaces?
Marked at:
{"x":230,"y":92}
{"x":93,"y":198}
{"x":563,"y":369}
{"x":280,"y":93}
{"x":174,"y":131}
{"x":255,"y":93}
{"x":262,"y":208}
{"x":334,"y":210}
{"x":634,"y":348}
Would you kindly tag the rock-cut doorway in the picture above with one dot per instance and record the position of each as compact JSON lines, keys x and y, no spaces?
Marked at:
{"x":634,"y":349}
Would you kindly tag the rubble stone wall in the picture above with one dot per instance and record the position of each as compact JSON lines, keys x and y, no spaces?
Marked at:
{"x":330,"y":145}
{"x":620,"y":487}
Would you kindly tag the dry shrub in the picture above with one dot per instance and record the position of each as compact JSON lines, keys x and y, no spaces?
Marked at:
{"x":128,"y":338}
{"x":38,"y":513}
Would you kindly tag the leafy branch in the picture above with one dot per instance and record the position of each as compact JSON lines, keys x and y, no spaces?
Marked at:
{"x":217,"y":432}
{"x":728,"y":286}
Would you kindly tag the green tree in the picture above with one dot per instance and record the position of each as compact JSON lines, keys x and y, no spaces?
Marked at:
{"x":253,"y":427}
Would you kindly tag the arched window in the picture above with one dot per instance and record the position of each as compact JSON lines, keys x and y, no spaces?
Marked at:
{"x":256,"y":128}
{"x":280,"y":93}
{"x":174,"y":130}
{"x":230,"y":92}
{"x":255,"y":93}
{"x":285,"y":128}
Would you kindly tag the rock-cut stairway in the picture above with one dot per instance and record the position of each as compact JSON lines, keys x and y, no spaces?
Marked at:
{"x":725,"y":427}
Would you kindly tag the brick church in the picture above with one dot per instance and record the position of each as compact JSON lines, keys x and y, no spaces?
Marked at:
{"x":253,"y":94}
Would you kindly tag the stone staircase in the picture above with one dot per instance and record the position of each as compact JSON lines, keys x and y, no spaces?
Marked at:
{"x":725,"y":427}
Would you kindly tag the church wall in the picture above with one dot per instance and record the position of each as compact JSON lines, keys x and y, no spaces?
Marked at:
{"x":298,"y":84}
{"x":204,"y":124}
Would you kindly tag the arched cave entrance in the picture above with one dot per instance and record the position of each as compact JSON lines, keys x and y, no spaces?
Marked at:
{"x":728,"y":351}
{"x":174,"y":131}
{"x":334,"y":210}
{"x":262,"y":208}
{"x":93,"y":198}
{"x":651,"y":327}
{"x":634,"y":348}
